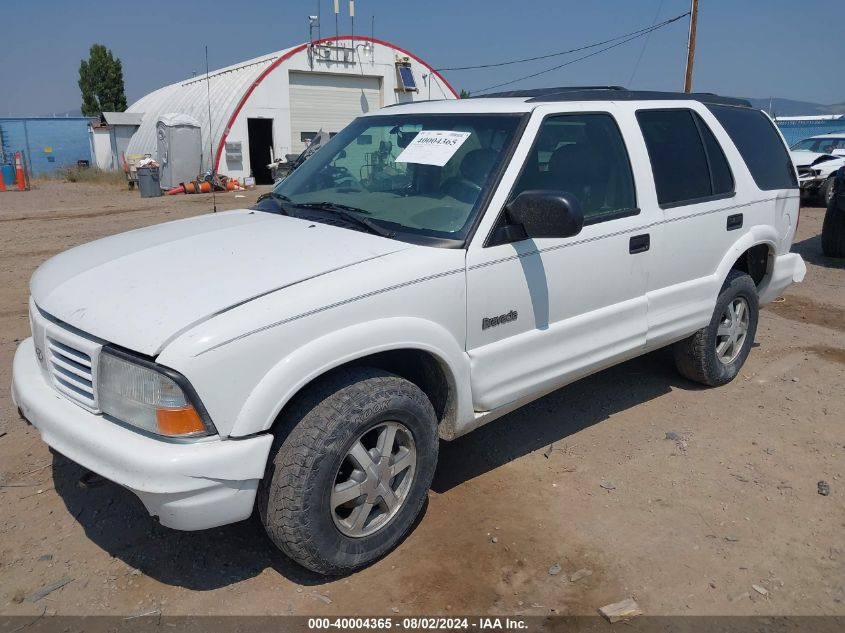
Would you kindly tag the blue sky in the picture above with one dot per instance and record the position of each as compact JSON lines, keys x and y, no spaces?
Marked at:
{"x":749,"y":48}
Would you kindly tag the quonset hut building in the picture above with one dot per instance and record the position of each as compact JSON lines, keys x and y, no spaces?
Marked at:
{"x":273,"y":105}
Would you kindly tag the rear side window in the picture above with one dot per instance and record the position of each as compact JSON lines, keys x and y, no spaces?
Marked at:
{"x":686,"y":159}
{"x":761,"y":147}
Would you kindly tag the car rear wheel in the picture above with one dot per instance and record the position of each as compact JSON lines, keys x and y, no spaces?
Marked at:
{"x":346,"y":484}
{"x":714,"y":354}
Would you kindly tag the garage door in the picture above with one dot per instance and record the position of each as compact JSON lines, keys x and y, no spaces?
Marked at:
{"x":330,"y":102}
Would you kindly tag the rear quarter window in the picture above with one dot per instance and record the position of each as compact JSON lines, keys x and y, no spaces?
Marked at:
{"x":687,"y":162}
{"x":760,"y":146}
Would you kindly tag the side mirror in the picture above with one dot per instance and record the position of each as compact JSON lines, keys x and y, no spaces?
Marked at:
{"x":546,"y":213}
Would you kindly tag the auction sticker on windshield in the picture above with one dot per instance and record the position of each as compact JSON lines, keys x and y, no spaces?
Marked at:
{"x":433,"y":147}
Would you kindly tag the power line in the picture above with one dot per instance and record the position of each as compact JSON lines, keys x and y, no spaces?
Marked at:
{"x":639,"y":34}
{"x":642,"y":31}
{"x":645,"y":45}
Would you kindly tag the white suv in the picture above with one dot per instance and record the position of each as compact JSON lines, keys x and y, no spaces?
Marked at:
{"x":433,"y":267}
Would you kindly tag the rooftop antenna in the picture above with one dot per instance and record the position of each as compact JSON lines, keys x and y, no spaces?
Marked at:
{"x":210,"y":140}
{"x":313,"y":21}
{"x":336,"y":27}
{"x":319,"y":15}
{"x":352,"y":17}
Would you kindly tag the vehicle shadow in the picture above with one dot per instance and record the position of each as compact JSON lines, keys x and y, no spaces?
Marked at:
{"x":557,"y":416}
{"x":811,"y":251}
{"x":115,"y":520}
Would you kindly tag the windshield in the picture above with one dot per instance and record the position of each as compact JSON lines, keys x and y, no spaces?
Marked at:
{"x":819,"y":145}
{"x":421,"y":175}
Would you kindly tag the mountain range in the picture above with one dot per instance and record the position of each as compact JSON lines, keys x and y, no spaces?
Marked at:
{"x":790,"y":107}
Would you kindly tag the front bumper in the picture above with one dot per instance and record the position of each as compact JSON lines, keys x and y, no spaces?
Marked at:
{"x":786,"y":270}
{"x":187,"y":485}
{"x":811,"y":187}
{"x":810,"y":183}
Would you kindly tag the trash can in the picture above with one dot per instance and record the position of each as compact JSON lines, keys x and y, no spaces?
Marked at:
{"x":8,"y":175}
{"x":148,"y":183}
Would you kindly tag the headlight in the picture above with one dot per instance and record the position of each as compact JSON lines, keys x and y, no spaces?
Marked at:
{"x":140,"y":393}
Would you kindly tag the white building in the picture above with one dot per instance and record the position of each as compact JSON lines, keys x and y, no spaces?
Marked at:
{"x":110,"y":136}
{"x":272,"y":105}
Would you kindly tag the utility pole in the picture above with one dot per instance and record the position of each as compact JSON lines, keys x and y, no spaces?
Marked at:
{"x":693,"y":22}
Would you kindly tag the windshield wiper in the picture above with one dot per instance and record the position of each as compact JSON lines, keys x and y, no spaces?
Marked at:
{"x":278,"y":198}
{"x":331,"y":206}
{"x":351,"y":214}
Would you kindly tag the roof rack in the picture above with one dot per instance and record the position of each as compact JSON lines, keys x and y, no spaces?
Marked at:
{"x":616,"y":93}
{"x":539,"y":92}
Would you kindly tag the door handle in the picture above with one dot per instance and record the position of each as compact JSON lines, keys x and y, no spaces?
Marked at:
{"x":639,"y":244}
{"x":734,"y":222}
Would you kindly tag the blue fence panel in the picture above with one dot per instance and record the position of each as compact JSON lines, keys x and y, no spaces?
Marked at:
{"x":50,"y":143}
{"x":794,"y":131}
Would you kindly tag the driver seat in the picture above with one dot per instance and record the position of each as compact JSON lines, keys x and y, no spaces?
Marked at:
{"x":476,"y":165}
{"x":474,"y":169}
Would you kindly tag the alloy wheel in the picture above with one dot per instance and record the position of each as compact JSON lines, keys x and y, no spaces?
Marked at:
{"x":732,"y":331}
{"x":373,"y":480}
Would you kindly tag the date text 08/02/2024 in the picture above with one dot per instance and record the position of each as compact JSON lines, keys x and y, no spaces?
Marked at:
{"x":420,"y":623}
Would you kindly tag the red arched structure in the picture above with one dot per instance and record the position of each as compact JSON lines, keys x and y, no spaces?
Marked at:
{"x":293,"y":52}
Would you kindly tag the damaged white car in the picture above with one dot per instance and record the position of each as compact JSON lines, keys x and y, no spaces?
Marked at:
{"x":817,"y":159}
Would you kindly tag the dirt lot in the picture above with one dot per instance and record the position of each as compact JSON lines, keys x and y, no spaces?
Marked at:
{"x":584,"y":478}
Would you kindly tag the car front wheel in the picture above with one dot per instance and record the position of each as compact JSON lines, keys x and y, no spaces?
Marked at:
{"x":350,"y":470}
{"x":826,"y":191}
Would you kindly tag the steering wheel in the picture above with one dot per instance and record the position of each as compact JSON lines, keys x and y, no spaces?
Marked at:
{"x":461,"y":189}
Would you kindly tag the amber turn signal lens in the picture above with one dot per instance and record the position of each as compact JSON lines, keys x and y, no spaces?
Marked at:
{"x":182,"y":421}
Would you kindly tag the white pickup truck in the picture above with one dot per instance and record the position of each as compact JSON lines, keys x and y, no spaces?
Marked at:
{"x":433,"y":267}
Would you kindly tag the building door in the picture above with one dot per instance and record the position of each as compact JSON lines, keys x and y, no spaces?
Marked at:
{"x":260,"y":132}
{"x":328,"y":102}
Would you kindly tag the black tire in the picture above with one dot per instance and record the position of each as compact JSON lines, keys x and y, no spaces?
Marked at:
{"x":294,"y":495}
{"x":826,"y":192}
{"x":833,"y":231}
{"x":696,"y":357}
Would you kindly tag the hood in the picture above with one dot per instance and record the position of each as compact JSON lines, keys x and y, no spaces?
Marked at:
{"x":806,"y":159}
{"x":143,"y":288}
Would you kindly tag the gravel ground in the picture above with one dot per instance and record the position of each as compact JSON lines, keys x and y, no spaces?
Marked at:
{"x":584,"y":479}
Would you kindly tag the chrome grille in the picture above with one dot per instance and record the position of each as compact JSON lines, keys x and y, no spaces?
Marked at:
{"x":72,"y":372}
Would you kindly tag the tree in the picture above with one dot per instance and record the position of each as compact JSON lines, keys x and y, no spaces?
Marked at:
{"x":101,"y":82}
{"x":464,"y":94}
